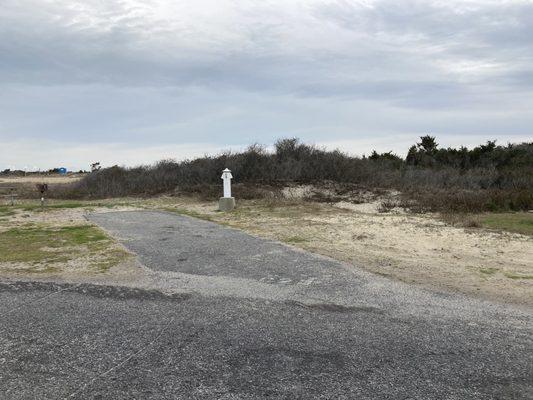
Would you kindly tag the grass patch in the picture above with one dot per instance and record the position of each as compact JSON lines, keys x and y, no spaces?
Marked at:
{"x":52,"y":204}
{"x":295,"y":239}
{"x":461,"y":219}
{"x":112,"y":258}
{"x":189,"y":213}
{"x":488,"y":271}
{"x":6,"y":211}
{"x":54,"y":248}
{"x":38,"y":244}
{"x":48,"y":269}
{"x":513,"y":222}
{"x":512,"y":275}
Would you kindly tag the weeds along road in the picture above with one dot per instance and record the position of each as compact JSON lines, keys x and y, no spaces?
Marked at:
{"x":231,"y":316}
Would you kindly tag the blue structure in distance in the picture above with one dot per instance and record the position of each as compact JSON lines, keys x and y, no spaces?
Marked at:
{"x":62,"y":170}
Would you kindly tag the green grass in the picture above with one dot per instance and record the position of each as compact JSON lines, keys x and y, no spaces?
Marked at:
{"x":38,"y":244}
{"x":512,"y":275}
{"x":513,"y":222}
{"x":52,"y":204}
{"x":112,"y":258}
{"x":48,"y":249}
{"x":190,"y":213}
{"x":488,"y":271}
{"x":294,"y":239}
{"x":6,"y":211}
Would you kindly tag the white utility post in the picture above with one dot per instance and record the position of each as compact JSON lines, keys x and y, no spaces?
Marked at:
{"x":227,"y":177}
{"x":226,"y":203}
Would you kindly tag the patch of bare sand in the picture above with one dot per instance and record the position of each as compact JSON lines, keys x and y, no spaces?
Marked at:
{"x":412,"y":248}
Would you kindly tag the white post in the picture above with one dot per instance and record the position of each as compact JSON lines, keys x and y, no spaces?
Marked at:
{"x":226,"y":203}
{"x":226,"y":177}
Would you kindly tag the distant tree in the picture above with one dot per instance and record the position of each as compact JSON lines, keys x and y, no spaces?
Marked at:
{"x":412,"y":155}
{"x":374,"y":155}
{"x":95,"y":167}
{"x":428,"y":144}
{"x":389,"y":155}
{"x":490,"y":146}
{"x":424,"y":153}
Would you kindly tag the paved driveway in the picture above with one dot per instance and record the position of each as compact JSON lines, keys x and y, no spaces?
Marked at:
{"x":230,"y":316}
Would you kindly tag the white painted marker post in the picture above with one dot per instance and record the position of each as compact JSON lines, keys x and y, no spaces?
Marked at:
{"x":227,"y":177}
{"x":226,"y":203}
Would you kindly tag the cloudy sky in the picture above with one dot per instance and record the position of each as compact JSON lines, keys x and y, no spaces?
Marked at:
{"x":130,"y":82}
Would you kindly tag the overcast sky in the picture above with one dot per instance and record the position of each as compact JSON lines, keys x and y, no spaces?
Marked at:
{"x":130,"y":82}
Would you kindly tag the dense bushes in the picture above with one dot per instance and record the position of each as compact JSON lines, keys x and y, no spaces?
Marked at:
{"x":488,"y":177}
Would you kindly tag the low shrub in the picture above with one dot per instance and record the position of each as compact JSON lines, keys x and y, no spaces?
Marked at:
{"x":486,"y":178}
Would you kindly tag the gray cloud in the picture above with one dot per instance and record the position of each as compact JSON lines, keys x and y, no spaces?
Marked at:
{"x":232,"y":72}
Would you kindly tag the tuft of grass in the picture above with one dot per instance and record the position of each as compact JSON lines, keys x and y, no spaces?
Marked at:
{"x":295,"y":239}
{"x":461,"y":219}
{"x":521,"y":222}
{"x":512,"y":275}
{"x":190,"y":213}
{"x":488,"y":271}
{"x":112,"y":258}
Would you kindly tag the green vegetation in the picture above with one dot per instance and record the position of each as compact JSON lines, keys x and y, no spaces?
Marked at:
{"x":112,"y":258}
{"x":190,"y":213}
{"x":512,"y":275}
{"x":33,"y":205}
{"x":6,"y":211}
{"x":512,"y":222}
{"x":488,"y":271}
{"x":56,"y":205}
{"x":35,"y":244}
{"x":45,"y":244}
{"x":294,"y":239}
{"x":486,"y":178}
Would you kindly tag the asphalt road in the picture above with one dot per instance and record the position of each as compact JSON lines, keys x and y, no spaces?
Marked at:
{"x":224,"y":315}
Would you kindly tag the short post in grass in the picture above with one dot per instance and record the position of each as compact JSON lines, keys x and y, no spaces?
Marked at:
{"x":226,"y":203}
{"x":42,"y":188}
{"x":12,"y":196}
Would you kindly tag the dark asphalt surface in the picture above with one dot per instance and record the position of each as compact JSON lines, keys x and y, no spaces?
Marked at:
{"x":223,"y":315}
